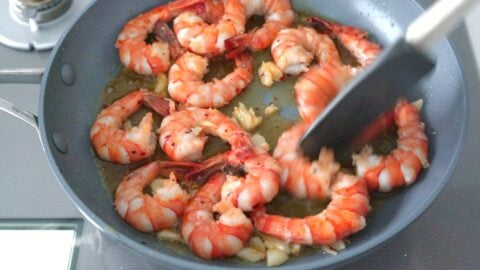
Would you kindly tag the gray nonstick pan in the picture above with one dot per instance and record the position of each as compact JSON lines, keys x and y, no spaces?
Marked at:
{"x":85,"y":59}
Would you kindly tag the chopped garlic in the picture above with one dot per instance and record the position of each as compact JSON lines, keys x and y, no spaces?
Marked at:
{"x":269,"y":72}
{"x":157,"y":183}
{"x":251,"y":254}
{"x":334,"y":248}
{"x":169,"y":235}
{"x":271,"y":109}
{"x":275,"y":243}
{"x":260,"y":142}
{"x":339,"y":245}
{"x":418,"y":104}
{"x":257,"y":243}
{"x":276,"y":257}
{"x":296,"y":248}
{"x":161,"y":85}
{"x":329,"y":250}
{"x":246,"y":117}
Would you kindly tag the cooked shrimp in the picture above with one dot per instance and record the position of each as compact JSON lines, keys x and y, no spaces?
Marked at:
{"x":352,"y":38}
{"x":203,"y":34}
{"x":301,"y":177}
{"x":126,"y":146}
{"x":149,"y":213}
{"x":402,"y":165}
{"x":294,"y":49}
{"x":183,"y":133}
{"x":278,"y":15}
{"x":258,"y":183}
{"x":344,"y":216}
{"x":320,"y":83}
{"x":316,"y":87}
{"x":135,"y":53}
{"x":212,"y":238}
{"x":182,"y":137}
{"x":314,"y":90}
{"x":186,"y":84}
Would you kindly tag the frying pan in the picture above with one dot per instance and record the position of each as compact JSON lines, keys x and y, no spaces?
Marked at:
{"x":85,"y":59}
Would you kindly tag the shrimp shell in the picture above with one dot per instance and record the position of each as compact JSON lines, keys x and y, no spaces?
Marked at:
{"x":149,"y":213}
{"x":344,"y":216}
{"x":403,"y":164}
{"x":135,"y":53}
{"x":186,"y":84}
{"x":200,"y":37}
{"x":127,"y":146}
{"x":212,"y":238}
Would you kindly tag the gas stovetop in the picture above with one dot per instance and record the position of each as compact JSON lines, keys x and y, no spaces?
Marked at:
{"x":445,"y":237}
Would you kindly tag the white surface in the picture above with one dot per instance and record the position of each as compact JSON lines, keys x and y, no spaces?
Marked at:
{"x":36,"y":249}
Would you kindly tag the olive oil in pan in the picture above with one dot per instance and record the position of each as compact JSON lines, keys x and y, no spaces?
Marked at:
{"x":258,"y":97}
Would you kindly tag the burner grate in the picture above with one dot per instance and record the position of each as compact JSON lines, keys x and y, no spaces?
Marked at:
{"x":36,"y":24}
{"x":39,"y":11}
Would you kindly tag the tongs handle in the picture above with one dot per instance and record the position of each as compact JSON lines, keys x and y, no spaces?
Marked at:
{"x":438,"y":20}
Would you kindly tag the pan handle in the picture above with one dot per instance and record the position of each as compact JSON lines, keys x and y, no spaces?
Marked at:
{"x":26,"y":116}
{"x":21,"y":76}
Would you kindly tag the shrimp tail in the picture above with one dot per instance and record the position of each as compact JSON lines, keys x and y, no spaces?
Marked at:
{"x":353,"y":39}
{"x":383,"y":122}
{"x":325,"y":26}
{"x":207,"y":169}
{"x":159,"y":104}
{"x":237,"y":44}
{"x":162,"y":32}
{"x":176,"y":167}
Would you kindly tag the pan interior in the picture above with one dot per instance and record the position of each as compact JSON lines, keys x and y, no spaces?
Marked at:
{"x":69,"y":111}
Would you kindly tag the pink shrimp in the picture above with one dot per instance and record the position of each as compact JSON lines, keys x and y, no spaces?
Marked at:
{"x":301,"y":177}
{"x":182,"y":137}
{"x":258,"y":184}
{"x":294,"y":49}
{"x":314,"y":90}
{"x":212,"y":238}
{"x":344,"y":216}
{"x":135,"y":53}
{"x":318,"y":86}
{"x":183,"y":133}
{"x":186,"y":84}
{"x":149,"y":213}
{"x":402,"y":165}
{"x":127,"y":146}
{"x":278,"y":15}
{"x":197,"y":35}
